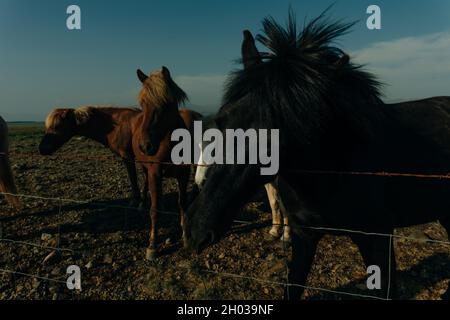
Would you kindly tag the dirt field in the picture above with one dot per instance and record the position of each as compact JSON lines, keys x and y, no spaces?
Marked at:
{"x":109,"y":243}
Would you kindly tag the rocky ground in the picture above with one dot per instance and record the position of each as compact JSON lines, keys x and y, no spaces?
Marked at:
{"x":108,"y":243}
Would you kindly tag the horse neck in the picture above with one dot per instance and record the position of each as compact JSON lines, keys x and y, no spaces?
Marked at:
{"x":96,"y":127}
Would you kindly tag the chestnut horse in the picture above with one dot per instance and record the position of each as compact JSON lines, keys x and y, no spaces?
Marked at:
{"x":112,"y":127}
{"x":159,"y":99}
{"x":7,"y":184}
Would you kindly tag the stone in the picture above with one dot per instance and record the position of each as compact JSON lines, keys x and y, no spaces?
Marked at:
{"x":46,"y":236}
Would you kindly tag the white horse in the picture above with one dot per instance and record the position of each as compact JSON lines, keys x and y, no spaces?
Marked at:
{"x":279,"y":219}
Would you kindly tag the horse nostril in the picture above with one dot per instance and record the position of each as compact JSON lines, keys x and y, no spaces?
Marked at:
{"x":208,"y":240}
{"x":44,"y":150}
{"x":151,"y":150}
{"x":142,"y":148}
{"x":147,"y":149}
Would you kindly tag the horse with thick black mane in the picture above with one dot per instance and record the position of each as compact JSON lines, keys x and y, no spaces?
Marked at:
{"x":280,"y":220}
{"x":331,"y":118}
{"x":7,"y":184}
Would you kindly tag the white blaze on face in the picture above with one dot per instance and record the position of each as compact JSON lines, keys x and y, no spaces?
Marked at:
{"x":200,"y":173}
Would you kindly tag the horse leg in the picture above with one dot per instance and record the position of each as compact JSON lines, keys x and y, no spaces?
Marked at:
{"x":183,"y":180}
{"x":145,"y":195}
{"x":303,"y":251}
{"x":194,"y":193}
{"x":7,"y":184}
{"x":286,"y":237}
{"x":275,"y":207}
{"x":131,"y":170}
{"x":375,"y":252}
{"x":274,"y":200}
{"x":155,"y":186}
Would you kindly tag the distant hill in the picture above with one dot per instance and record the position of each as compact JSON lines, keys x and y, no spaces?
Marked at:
{"x":24,"y":123}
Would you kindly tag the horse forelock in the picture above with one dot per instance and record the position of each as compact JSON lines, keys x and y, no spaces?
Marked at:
{"x":158,"y":91}
{"x":54,"y":118}
{"x":83,"y":114}
{"x":296,"y":86}
{"x":57,"y":116}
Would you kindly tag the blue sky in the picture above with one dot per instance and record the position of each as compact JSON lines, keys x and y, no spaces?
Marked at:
{"x":43,"y":65}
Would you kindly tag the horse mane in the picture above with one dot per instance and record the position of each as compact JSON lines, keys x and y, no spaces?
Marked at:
{"x":81,"y":114}
{"x":159,"y":91}
{"x":297,"y":86}
{"x":54,"y":118}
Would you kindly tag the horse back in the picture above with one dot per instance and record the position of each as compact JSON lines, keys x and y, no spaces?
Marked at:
{"x":426,"y":121}
{"x":189,"y":116}
{"x":124,"y":122}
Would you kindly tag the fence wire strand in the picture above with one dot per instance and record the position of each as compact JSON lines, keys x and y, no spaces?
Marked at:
{"x":298,"y":171}
{"x":33,"y":276}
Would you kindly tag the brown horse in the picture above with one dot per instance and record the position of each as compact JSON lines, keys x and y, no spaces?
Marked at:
{"x":159,"y":98}
{"x":7,"y":184}
{"x":112,"y":127}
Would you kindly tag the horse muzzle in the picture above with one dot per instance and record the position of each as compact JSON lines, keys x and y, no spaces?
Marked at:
{"x":50,"y":143}
{"x":201,"y":243}
{"x":148,"y":149}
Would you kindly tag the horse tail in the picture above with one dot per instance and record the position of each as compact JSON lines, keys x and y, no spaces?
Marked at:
{"x":7,"y":184}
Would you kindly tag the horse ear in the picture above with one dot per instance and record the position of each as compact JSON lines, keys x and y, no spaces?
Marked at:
{"x":250,"y":55}
{"x":165,"y":72}
{"x":142,"y":76}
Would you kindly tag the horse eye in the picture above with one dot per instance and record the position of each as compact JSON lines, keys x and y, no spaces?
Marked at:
{"x":155,"y":118}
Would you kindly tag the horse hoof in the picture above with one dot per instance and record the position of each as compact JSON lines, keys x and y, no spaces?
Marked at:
{"x":185,"y":243}
{"x":285,"y":239}
{"x":274,"y":233}
{"x":150,"y":254}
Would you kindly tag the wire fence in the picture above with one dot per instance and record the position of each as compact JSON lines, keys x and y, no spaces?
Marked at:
{"x":207,"y":271}
{"x":60,"y":201}
{"x":298,"y":171}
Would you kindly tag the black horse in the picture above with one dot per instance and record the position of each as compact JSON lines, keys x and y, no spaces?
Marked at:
{"x":331,"y":118}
